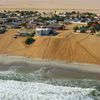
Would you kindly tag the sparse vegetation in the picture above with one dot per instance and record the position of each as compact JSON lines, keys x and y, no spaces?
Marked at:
{"x":32,"y":34}
{"x":98,"y":34}
{"x":29,"y":41}
{"x":75,"y":28}
{"x":82,"y":29}
{"x":93,"y":30}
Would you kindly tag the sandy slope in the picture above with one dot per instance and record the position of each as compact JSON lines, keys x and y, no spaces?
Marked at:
{"x":67,"y":46}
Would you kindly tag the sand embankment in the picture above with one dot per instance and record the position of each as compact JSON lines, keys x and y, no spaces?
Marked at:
{"x":67,"y":46}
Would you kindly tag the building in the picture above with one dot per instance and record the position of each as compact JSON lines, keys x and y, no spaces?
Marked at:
{"x":23,"y":32}
{"x":44,"y":31}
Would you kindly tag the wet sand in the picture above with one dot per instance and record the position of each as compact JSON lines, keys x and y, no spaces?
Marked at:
{"x":52,"y":69}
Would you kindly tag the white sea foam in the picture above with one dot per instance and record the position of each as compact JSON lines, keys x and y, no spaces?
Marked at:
{"x":13,"y":90}
{"x":12,"y":74}
{"x":15,"y":85}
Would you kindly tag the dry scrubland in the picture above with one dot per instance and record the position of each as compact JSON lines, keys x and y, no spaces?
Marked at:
{"x":67,"y":46}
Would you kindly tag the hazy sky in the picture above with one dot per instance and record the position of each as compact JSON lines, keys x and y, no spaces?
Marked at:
{"x":51,"y":3}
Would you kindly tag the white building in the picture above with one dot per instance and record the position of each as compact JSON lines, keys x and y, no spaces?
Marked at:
{"x":44,"y":31}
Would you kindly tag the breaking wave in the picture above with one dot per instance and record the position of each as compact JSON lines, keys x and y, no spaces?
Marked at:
{"x":20,"y":83}
{"x":36,"y":86}
{"x":13,"y":90}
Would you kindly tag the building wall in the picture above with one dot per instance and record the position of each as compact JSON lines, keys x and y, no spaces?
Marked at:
{"x":42,"y":31}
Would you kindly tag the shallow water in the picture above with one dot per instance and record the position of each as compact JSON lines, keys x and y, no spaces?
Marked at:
{"x":37,"y":80}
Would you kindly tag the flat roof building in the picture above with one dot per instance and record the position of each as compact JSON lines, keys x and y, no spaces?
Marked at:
{"x":44,"y":31}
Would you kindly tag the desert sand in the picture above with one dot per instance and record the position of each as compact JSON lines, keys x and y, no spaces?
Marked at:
{"x":93,"y":4}
{"x":67,"y":46}
{"x":52,"y":5}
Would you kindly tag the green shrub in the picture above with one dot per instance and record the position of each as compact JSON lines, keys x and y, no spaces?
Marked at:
{"x":83,"y":29}
{"x":33,"y":34}
{"x":75,"y":28}
{"x":98,"y":34}
{"x":89,"y":24}
{"x":29,"y":41}
{"x":93,"y":30}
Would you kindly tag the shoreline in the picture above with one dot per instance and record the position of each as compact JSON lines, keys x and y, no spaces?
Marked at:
{"x":85,"y":67}
{"x":48,"y":68}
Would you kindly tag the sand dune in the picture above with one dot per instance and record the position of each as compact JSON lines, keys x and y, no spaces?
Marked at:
{"x":67,"y":46}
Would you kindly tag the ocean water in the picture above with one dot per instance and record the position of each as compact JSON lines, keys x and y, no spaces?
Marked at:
{"x":20,"y":81}
{"x":34,"y":86}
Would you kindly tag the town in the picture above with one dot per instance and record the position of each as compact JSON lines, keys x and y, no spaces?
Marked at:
{"x":35,"y":23}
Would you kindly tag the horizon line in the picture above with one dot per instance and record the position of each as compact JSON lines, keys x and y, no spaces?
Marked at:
{"x":50,"y":8}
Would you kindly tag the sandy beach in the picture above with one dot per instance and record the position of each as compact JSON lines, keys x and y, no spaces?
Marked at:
{"x":67,"y":46}
{"x":52,"y":69}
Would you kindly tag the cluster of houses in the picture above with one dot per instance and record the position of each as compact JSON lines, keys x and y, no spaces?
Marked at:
{"x":81,"y":18}
{"x":70,"y":17}
{"x":23,"y":32}
{"x":16,"y":19}
{"x":91,"y":27}
{"x":39,"y":31}
{"x":31,"y":19}
{"x":44,"y":23}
